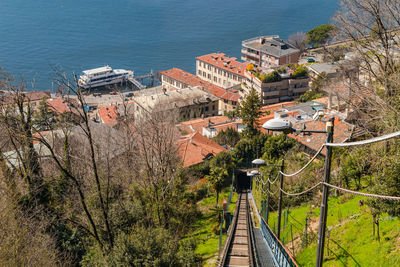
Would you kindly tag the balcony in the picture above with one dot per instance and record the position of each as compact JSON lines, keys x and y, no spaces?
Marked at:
{"x":270,"y":101}
{"x":300,"y":90}
{"x":272,"y":93}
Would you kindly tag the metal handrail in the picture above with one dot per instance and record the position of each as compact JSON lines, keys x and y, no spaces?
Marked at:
{"x":279,"y":251}
{"x":231,"y":228}
{"x":251,"y":239}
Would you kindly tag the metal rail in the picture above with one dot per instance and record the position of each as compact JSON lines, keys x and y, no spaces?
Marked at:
{"x":281,"y":254}
{"x":239,"y":246}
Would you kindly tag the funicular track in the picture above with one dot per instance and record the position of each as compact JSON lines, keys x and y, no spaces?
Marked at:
{"x":239,"y":246}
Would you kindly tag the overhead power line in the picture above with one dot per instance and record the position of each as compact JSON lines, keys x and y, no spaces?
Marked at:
{"x":301,"y":193}
{"x":361,"y":193}
{"x":364,"y":142}
{"x":305,"y":166}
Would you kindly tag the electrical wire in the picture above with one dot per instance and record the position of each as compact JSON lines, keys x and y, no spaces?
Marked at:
{"x":276,"y":178}
{"x":305,"y":166}
{"x":301,"y":193}
{"x":361,"y":193}
{"x":364,"y":142}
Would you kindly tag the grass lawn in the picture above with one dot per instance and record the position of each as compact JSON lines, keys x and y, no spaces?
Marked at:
{"x":208,"y":241}
{"x":351,"y":240}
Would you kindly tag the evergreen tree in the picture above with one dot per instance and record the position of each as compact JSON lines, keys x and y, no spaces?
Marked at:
{"x":250,"y":110}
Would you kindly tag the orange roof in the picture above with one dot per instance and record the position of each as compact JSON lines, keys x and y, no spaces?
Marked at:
{"x":195,"y":148}
{"x":27,"y":96}
{"x":109,"y":115}
{"x":59,"y":105}
{"x":323,"y":100}
{"x":227,"y":63}
{"x":225,"y":126}
{"x":342,"y":132}
{"x":278,"y":106}
{"x":192,"y":80}
{"x":197,"y":125}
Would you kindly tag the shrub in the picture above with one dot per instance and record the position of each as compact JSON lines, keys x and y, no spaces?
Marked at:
{"x":271,"y":77}
{"x":300,"y":72}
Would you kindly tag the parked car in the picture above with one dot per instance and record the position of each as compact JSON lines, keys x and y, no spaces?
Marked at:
{"x":310,"y":60}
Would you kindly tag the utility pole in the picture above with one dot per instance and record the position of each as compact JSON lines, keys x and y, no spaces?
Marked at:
{"x":325,"y":193}
{"x":278,"y":231}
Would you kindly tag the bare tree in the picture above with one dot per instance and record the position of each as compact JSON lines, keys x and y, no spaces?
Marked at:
{"x":298,"y":40}
{"x":371,"y":28}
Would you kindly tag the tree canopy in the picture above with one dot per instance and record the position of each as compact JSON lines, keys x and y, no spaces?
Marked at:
{"x":250,"y":110}
{"x":320,"y":34}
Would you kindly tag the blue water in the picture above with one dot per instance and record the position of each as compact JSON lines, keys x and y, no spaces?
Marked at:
{"x":143,"y":35}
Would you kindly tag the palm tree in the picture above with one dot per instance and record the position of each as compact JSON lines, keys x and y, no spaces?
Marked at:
{"x":217,"y":180}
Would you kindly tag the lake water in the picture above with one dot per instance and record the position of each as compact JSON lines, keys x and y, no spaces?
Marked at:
{"x":141,"y":35}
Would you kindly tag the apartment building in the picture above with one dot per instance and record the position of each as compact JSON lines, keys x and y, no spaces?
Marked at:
{"x":190,"y":102}
{"x":269,"y":52}
{"x":221,"y":70}
{"x":286,"y":88}
{"x":175,"y":78}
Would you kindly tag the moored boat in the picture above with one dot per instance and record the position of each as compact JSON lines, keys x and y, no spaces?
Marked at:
{"x":103,"y":76}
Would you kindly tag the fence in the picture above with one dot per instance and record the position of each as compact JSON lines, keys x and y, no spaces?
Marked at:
{"x":281,"y":255}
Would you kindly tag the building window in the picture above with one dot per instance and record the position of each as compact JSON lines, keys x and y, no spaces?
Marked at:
{"x":215,"y":79}
{"x":215,"y":70}
{"x":206,"y":109}
{"x":219,"y":80}
{"x":213,"y":107}
{"x":224,"y":73}
{"x":209,"y":76}
{"x":199,"y":72}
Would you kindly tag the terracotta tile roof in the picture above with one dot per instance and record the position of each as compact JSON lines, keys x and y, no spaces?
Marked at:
{"x":278,"y":106}
{"x":195,"y":148}
{"x":197,"y":125}
{"x":109,"y":115}
{"x":192,"y":80}
{"x":59,"y":105}
{"x":227,"y":63}
{"x":342,"y":132}
{"x":323,"y":100}
{"x":224,"y":126}
{"x":35,"y":96}
{"x":28,"y":96}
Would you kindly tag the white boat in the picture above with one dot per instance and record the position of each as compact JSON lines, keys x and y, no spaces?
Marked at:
{"x":103,"y":76}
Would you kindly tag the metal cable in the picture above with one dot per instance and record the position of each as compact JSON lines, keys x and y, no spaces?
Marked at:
{"x":301,"y":193}
{"x":276,"y":178}
{"x":305,"y":166}
{"x":267,"y":191}
{"x":369,"y":141}
{"x":361,"y":193}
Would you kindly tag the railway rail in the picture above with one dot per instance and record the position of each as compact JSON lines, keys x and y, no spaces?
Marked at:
{"x":239,"y":249}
